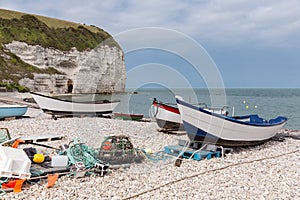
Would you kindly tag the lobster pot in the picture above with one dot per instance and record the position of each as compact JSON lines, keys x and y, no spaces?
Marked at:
{"x":14,"y":163}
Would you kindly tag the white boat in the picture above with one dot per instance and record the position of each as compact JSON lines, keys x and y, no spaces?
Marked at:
{"x":203,"y":125}
{"x":57,"y":106}
{"x":12,"y":110}
{"x":167,"y":117}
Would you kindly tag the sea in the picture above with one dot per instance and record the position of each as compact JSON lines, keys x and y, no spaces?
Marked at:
{"x":267,"y":103}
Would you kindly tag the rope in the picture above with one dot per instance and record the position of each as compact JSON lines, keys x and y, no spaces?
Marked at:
{"x":158,"y":156}
{"x":79,"y":152}
{"x":212,"y":170}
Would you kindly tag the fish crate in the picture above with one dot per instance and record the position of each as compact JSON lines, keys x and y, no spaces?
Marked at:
{"x":14,"y":163}
{"x":177,"y":150}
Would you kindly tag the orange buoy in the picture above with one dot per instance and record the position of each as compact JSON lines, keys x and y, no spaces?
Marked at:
{"x":107,"y":145}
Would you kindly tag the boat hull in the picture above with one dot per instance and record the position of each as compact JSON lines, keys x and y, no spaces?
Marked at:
{"x":208,"y":127}
{"x":167,"y":117}
{"x":64,"y":107}
{"x":12,"y":111}
{"x":169,"y":125}
{"x":125,"y":116}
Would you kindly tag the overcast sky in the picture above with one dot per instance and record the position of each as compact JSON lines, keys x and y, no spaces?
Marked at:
{"x":253,"y":43}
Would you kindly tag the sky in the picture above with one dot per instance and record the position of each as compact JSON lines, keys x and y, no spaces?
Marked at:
{"x":253,"y":44}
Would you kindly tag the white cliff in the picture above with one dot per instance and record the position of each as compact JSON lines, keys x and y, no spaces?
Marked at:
{"x":92,"y":71}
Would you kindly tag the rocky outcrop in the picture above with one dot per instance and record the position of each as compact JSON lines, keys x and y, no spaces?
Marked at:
{"x":109,"y":77}
{"x":92,"y":71}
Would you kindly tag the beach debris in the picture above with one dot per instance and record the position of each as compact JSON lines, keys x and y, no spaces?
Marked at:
{"x":118,"y":149}
{"x":36,"y":157}
{"x":83,"y":158}
{"x":42,"y":138}
{"x":195,"y":150}
{"x":128,"y":116}
{"x":178,"y":162}
{"x":14,"y":163}
{"x":59,"y":161}
{"x":52,"y":178}
{"x":156,"y":156}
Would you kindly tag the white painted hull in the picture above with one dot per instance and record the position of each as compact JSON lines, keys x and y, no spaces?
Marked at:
{"x":167,"y":117}
{"x":199,"y":123}
{"x":49,"y":104}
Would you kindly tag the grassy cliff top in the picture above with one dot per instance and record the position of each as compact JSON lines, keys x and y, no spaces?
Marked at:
{"x":50,"y":32}
{"x":51,"y":22}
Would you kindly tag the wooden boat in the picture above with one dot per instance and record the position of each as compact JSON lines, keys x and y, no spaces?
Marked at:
{"x":12,"y":110}
{"x":125,"y":116}
{"x":57,"y":106}
{"x":209,"y":127}
{"x":167,"y":117}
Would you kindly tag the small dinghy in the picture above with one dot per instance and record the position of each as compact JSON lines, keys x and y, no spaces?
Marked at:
{"x":209,"y":127}
{"x":128,"y":116}
{"x":12,"y":110}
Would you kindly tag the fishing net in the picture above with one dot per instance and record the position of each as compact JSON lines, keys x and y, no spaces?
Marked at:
{"x":4,"y":135}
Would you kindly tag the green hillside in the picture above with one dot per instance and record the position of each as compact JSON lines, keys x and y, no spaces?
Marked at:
{"x":46,"y":32}
{"x":49,"y":32}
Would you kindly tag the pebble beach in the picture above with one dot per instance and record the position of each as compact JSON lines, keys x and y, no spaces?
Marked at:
{"x":268,"y":171}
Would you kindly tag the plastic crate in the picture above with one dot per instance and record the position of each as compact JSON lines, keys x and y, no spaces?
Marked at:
{"x":14,"y":163}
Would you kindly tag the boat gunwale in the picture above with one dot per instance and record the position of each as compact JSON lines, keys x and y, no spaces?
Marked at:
{"x":165,"y":107}
{"x":8,"y":106}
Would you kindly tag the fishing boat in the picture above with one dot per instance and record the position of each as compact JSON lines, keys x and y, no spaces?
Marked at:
{"x":57,"y":106}
{"x":167,"y":117}
{"x":126,"y":116}
{"x":12,"y":110}
{"x":209,"y":127}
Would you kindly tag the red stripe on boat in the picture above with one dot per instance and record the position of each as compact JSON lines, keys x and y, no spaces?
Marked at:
{"x":166,"y":107}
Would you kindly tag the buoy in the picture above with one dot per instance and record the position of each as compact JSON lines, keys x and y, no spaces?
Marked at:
{"x":247,"y":107}
{"x":107,"y":145}
{"x":148,"y":151}
{"x":38,"y":158}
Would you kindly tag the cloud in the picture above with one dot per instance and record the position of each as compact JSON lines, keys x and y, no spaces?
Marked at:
{"x":240,"y":34}
{"x":227,"y":22}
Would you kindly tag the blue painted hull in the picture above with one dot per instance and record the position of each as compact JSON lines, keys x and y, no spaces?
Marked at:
{"x":12,"y":111}
{"x":196,"y":134}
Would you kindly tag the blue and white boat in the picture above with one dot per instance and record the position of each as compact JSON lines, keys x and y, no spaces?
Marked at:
{"x":12,"y":110}
{"x":209,"y":127}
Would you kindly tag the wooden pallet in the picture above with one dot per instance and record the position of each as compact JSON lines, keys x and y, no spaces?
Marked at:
{"x":44,"y":138}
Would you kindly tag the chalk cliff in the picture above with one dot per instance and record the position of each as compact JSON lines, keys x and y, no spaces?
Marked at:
{"x":100,"y":70}
{"x":52,"y":55}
